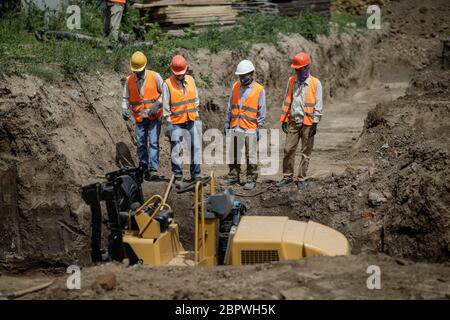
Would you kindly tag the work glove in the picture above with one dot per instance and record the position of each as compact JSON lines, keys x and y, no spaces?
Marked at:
{"x":153,"y":110}
{"x":125,"y":115}
{"x":226,"y":127}
{"x":312,"y":130}
{"x":285,"y":127}
{"x":257,"y":135}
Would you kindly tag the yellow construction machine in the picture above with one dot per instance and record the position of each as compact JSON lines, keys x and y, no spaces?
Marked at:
{"x":146,"y":231}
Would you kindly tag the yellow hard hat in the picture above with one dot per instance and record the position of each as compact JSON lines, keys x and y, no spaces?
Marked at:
{"x":138,"y":61}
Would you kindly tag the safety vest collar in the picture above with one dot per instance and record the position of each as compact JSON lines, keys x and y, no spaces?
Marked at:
{"x":307,"y":80}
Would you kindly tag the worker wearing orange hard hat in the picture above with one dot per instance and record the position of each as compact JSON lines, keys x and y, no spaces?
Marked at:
{"x":301,"y":113}
{"x":180,"y":111}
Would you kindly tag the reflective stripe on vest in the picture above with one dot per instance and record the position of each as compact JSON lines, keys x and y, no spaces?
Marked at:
{"x":245,"y":113}
{"x":183,"y":106}
{"x":310,"y":101}
{"x":140,"y":106}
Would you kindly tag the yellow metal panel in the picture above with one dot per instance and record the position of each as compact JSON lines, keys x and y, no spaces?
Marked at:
{"x":260,"y":229}
{"x":324,"y":241}
{"x":260,"y":239}
{"x":153,"y":229}
{"x":292,"y":242}
{"x":212,"y":241}
{"x":255,"y":234}
{"x":156,"y":252}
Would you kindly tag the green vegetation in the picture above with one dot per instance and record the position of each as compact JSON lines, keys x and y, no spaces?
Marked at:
{"x":89,"y":108}
{"x":20,"y":52}
{"x":205,"y":81}
{"x":347,"y":21}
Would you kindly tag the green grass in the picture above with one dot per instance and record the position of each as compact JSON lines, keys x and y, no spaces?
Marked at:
{"x":20,"y":52}
{"x":345,"y":20}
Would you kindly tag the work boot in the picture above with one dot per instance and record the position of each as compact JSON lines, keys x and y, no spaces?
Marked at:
{"x":200,"y":178}
{"x":285,"y":181}
{"x":151,"y":174}
{"x":250,"y":185}
{"x":301,"y":185}
{"x":178,"y":181}
{"x":230,"y":180}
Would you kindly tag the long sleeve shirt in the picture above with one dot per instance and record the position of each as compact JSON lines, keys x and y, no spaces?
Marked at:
{"x":141,"y":86}
{"x":166,"y":98}
{"x":298,"y":101}
{"x":262,"y":109}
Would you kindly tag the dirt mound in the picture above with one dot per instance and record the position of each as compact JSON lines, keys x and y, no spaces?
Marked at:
{"x":356,"y":6}
{"x":313,"y":278}
{"x":415,"y":29}
{"x":52,"y":143}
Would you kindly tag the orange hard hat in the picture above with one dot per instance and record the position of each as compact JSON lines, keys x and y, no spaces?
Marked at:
{"x":300,"y":60}
{"x":179,"y":65}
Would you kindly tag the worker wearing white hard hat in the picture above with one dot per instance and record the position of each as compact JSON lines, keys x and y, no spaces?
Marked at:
{"x":246,"y":114}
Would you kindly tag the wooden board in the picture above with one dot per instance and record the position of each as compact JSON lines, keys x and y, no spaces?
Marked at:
{"x":224,"y":12}
{"x":163,"y":3}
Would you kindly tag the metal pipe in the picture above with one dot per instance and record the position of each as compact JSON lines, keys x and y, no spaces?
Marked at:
{"x":199,"y":189}
{"x":212,"y":184}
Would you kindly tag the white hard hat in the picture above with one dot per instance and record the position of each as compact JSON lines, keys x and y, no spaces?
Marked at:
{"x":244,"y":67}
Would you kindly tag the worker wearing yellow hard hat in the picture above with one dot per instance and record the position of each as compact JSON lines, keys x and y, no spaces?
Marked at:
{"x":142,"y":96}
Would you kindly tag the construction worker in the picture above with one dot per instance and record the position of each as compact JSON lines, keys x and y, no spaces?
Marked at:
{"x":142,"y":94}
{"x":113,"y":11}
{"x":301,"y":113}
{"x":246,"y":114}
{"x":180,"y":111}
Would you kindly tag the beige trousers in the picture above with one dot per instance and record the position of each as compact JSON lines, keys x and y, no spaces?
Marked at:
{"x":295,"y":134}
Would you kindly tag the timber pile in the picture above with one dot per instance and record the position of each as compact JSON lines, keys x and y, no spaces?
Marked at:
{"x":255,"y":6}
{"x":176,"y":14}
{"x":181,"y":13}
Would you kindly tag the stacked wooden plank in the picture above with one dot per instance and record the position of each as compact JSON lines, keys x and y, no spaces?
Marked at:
{"x":176,"y":14}
{"x":293,"y":8}
{"x":255,"y":6}
{"x":181,"y":13}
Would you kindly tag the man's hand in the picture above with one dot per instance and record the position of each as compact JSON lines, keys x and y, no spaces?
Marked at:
{"x":125,"y":115}
{"x":285,"y":127}
{"x":312,"y":130}
{"x":226,"y":127}
{"x":257,"y":134}
{"x":153,"y":110}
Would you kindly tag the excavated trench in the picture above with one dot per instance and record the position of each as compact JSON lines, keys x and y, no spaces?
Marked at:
{"x":380,"y":179}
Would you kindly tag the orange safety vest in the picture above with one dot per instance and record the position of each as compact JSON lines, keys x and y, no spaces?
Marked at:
{"x":140,"y":106}
{"x":310,"y":101}
{"x":245,"y":113}
{"x":183,"y":106}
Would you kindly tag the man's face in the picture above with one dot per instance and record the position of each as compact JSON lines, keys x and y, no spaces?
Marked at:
{"x":140,"y":74}
{"x":302,"y":72}
{"x":246,"y":79}
{"x":180,"y":77}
